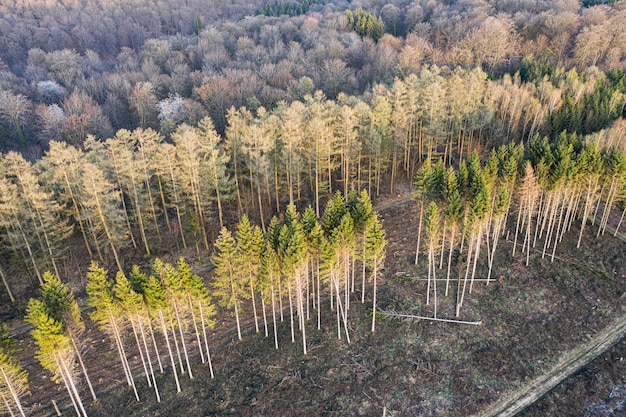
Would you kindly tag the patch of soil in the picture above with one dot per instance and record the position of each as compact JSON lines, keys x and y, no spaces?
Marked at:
{"x":530,"y":315}
{"x":598,"y":390}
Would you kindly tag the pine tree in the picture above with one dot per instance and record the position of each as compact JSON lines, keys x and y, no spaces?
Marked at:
{"x":41,"y":214}
{"x":175,"y":292}
{"x":270,"y":276}
{"x":313,"y":234}
{"x":422,"y":182}
{"x":61,"y":169}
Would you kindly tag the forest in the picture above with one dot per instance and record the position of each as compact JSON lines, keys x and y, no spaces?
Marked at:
{"x":168,"y":167}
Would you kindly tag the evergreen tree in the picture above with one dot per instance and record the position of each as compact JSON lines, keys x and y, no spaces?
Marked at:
{"x":107,"y":315}
{"x":199,"y":303}
{"x":55,"y":353}
{"x":61,"y":305}
{"x":249,"y":249}
{"x":374,"y":255}
{"x":133,"y":307}
{"x":228,"y":285}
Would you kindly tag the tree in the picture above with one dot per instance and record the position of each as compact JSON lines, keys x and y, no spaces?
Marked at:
{"x":61,"y":305}
{"x":106,"y":314}
{"x":155,"y":297}
{"x":103,"y":208}
{"x":55,"y":353}
{"x":14,"y":110}
{"x":374,"y":255}
{"x":249,"y":249}
{"x":144,"y":102}
{"x":228,"y":284}
{"x":423,"y":179}
{"x":292,"y":252}
{"x":270,"y":277}
{"x":173,"y":287}
{"x":201,"y":170}
{"x":134,"y":309}
{"x":41,"y":213}
{"x":199,"y":298}
{"x":61,"y":168}
{"x":433,"y":232}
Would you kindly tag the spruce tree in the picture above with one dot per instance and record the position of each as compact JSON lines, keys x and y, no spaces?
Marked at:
{"x":62,"y":306}
{"x":107,"y":315}
{"x":374,"y":255}
{"x":228,"y":284}
{"x":55,"y":353}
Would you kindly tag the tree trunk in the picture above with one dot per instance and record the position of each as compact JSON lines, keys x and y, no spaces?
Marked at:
{"x":82,"y":365}
{"x":419,"y":232}
{"x":374,"y":296}
{"x":206,"y":342}
{"x":169,"y":349}
{"x":6,"y":285}
{"x":13,"y":394}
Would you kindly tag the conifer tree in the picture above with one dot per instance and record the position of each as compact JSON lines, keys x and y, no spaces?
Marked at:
{"x":103,"y":208}
{"x":15,"y":234}
{"x":249,"y":248}
{"x":55,"y":352}
{"x":133,"y":307}
{"x":433,"y":231}
{"x":452,"y":214}
{"x":173,"y":286}
{"x":313,"y":234}
{"x":293,"y":257}
{"x":61,"y":169}
{"x":270,"y":276}
{"x":200,"y":301}
{"x":106,"y":314}
{"x":158,"y":306}
{"x":374,"y":255}
{"x":61,"y":305}
{"x":228,"y":284}
{"x":40,"y":212}
{"x":423,"y":179}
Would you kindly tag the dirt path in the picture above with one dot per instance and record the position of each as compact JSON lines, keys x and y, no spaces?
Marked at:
{"x":571,"y":362}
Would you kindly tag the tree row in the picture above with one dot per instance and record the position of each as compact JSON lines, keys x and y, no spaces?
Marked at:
{"x":532,"y":195}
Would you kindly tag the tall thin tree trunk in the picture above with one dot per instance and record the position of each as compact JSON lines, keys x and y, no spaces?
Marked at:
{"x":419,"y":232}
{"x":374,"y":297}
{"x":169,"y":349}
{"x":82,"y":365}
{"x":206,"y":341}
{"x":6,"y":285}
{"x":16,"y":398}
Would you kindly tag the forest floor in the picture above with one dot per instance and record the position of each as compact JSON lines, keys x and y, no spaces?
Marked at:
{"x":531,"y":317}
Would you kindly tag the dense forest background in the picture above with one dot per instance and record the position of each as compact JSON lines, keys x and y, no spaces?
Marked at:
{"x":69,"y":69}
